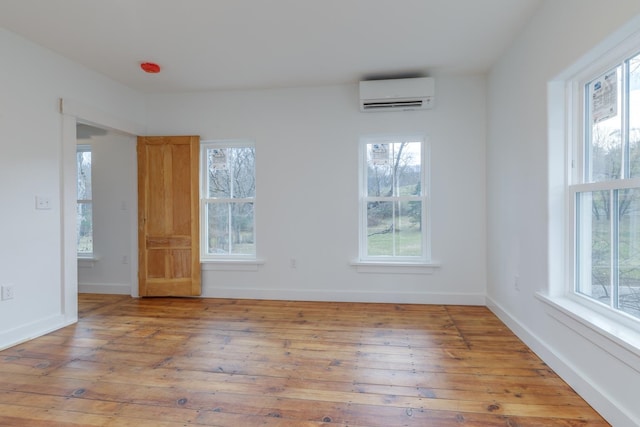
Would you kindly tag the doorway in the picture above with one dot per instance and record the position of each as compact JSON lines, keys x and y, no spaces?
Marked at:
{"x":106,"y":170}
{"x":74,"y":113}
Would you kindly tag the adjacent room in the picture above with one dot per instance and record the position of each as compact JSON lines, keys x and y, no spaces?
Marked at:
{"x":339,"y":212}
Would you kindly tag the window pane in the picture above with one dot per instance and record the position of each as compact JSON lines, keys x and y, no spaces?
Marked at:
{"x":217,"y":217}
{"x":394,"y":228}
{"x":242,"y":241}
{"x":634,"y":117}
{"x":84,"y":223}
{"x":243,"y":167}
{"x":604,"y":145}
{"x":231,"y":172}
{"x":219,"y":184}
{"x":380,"y":229}
{"x":629,"y":251}
{"x":379,"y":170}
{"x":408,"y":161}
{"x":230,"y":228}
{"x":593,"y":245}
{"x":394,"y":169}
{"x":408,"y":230}
{"x":84,"y":174}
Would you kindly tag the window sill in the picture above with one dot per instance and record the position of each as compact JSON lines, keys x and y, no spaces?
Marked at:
{"x":87,"y":261}
{"x":389,"y":267}
{"x":619,"y":340}
{"x":231,"y":265}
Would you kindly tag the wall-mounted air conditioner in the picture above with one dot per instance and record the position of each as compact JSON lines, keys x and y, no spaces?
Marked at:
{"x":397,"y":94}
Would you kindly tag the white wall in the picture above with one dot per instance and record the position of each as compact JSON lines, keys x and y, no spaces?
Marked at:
{"x":114,"y":196}
{"x":307,"y":188}
{"x":32,"y":80}
{"x":518,"y":199}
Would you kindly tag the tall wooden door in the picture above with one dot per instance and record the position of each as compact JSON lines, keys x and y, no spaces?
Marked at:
{"x":168,"y":218}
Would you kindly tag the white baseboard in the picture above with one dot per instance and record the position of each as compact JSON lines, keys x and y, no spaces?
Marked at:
{"x":33,"y":330}
{"x":344,"y":296}
{"x":600,"y":401}
{"x":104,"y":288}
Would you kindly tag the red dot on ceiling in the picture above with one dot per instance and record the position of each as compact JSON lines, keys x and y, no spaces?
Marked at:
{"x":150,"y":67}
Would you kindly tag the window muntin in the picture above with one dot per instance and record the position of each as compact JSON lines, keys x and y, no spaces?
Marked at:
{"x":228,"y":200}
{"x":393,"y":200}
{"x":606,"y":194}
{"x":84,"y":207}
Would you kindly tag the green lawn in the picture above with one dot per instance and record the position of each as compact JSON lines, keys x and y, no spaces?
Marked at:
{"x":408,"y":242}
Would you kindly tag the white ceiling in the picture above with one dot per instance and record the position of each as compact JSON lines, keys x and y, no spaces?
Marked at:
{"x":237,"y":44}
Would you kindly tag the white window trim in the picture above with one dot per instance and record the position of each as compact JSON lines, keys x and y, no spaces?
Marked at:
{"x":229,"y":262}
{"x":386,"y":264}
{"x":614,"y":332}
{"x":87,"y":260}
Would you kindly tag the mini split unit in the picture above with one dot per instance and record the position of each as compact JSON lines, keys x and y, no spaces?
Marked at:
{"x":397,"y":94}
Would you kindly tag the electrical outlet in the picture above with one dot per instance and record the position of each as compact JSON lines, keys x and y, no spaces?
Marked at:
{"x":516,"y":282}
{"x":7,"y":292}
{"x":43,"y":202}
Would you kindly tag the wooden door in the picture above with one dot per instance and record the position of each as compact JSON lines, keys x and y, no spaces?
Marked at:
{"x":168,"y":216}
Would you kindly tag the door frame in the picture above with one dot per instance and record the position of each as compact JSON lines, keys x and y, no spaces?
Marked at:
{"x":73,"y":113}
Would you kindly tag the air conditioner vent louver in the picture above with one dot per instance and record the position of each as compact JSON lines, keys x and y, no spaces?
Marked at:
{"x":397,"y":94}
{"x":392,"y":105}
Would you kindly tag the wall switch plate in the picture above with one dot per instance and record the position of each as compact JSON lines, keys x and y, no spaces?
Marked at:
{"x":7,"y":292}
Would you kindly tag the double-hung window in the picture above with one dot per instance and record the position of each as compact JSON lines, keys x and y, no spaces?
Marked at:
{"x":393,"y":200}
{"x":604,"y":186}
{"x":84,"y":207}
{"x":228,"y":200}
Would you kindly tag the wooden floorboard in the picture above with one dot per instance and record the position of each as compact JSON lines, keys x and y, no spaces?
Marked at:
{"x":224,"y":362}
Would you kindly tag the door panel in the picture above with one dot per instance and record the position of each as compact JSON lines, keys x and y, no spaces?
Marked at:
{"x":168,"y":208}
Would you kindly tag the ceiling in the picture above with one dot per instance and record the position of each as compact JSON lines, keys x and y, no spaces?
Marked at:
{"x":248,"y":44}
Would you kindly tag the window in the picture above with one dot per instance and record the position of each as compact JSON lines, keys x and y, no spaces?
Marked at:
{"x":84,"y":209}
{"x":228,"y":200}
{"x":604,"y":187}
{"x":393,"y":200}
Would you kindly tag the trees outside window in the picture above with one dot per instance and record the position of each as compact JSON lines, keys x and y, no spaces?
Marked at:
{"x":228,"y":199}
{"x":393,"y":200}
{"x":84,"y":207}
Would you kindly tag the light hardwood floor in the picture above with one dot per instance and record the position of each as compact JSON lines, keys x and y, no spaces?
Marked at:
{"x":221,"y":362}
